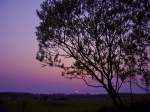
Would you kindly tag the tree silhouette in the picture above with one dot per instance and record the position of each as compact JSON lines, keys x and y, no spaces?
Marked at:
{"x":106,"y":41}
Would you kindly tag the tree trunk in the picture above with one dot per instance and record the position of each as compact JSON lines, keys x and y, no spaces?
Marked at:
{"x":115,"y":98}
{"x":118,"y":103}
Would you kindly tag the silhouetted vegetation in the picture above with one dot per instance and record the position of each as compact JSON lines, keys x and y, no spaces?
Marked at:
{"x":68,"y":103}
{"x":106,"y":41}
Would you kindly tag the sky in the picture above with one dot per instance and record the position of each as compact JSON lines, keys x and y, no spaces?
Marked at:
{"x":19,"y":70}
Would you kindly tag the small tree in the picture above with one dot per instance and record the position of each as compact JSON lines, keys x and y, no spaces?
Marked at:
{"x":104,"y":40}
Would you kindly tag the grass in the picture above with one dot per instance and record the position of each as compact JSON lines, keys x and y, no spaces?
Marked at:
{"x":15,"y":102}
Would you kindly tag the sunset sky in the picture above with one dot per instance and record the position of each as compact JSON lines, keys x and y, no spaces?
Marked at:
{"x":19,"y":70}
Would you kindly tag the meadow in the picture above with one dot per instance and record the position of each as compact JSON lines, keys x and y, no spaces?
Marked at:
{"x":24,"y":102}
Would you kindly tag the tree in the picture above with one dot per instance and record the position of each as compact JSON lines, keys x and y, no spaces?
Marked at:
{"x":106,"y":41}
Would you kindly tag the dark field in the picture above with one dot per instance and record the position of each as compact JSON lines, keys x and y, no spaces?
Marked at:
{"x":21,"y":102}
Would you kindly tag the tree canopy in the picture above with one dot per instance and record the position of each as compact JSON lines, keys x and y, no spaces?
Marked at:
{"x":107,"y":41}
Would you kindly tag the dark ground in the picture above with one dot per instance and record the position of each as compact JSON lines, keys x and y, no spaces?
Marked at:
{"x":24,"y":102}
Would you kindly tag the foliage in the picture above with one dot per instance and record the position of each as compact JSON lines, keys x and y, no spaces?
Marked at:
{"x":106,"y":41}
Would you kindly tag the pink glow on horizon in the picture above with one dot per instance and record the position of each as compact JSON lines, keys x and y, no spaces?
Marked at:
{"x":19,"y":70}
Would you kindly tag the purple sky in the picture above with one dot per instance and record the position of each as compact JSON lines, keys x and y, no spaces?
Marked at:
{"x":19,"y":70}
